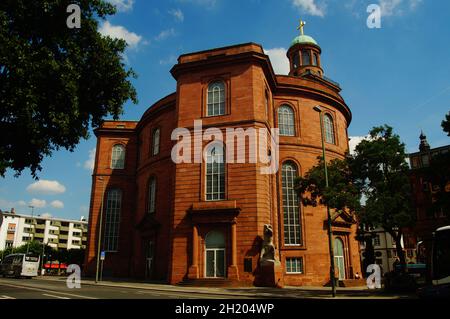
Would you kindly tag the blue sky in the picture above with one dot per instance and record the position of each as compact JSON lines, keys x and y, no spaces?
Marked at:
{"x":398,"y":74}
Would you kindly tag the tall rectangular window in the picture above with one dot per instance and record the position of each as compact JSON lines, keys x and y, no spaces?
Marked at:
{"x":112,"y":220}
{"x":291,"y":209}
{"x":118,"y":157}
{"x":152,"y":195}
{"x":155,"y":141}
{"x":215,"y":173}
{"x":216,"y":99}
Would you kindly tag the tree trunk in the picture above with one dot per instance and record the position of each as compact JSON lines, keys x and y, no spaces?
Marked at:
{"x":369,"y":258}
{"x":398,"y":246}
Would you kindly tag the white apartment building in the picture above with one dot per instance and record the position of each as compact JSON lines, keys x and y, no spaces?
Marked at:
{"x":17,"y":229}
{"x":385,"y":250}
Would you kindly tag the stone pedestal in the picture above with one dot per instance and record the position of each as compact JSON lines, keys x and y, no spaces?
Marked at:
{"x":270,"y":274}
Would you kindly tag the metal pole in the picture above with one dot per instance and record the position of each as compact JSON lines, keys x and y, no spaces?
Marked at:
{"x":100,"y":231}
{"x":43,"y":251}
{"x":330,"y":234}
{"x":101,"y":272}
{"x":28,"y":244}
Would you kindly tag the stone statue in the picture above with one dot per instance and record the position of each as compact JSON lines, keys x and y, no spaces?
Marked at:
{"x":268,"y":247}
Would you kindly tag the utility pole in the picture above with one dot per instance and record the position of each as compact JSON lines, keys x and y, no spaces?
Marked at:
{"x":32,"y":220}
{"x":330,"y":234}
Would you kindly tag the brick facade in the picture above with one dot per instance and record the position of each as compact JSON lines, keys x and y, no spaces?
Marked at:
{"x":183,"y":218}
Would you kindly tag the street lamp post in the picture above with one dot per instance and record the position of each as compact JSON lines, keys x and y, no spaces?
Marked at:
{"x":28,"y":243}
{"x":100,"y":230}
{"x":330,"y":234}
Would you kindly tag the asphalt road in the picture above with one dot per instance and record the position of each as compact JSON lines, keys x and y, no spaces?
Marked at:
{"x":46,"y":289}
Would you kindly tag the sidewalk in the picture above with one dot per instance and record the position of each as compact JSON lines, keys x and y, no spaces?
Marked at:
{"x":260,"y":292}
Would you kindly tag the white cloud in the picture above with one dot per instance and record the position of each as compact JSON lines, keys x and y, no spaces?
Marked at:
{"x":310,"y":7}
{"x":354,"y":141}
{"x":202,"y":3}
{"x":119,"y":32}
{"x":37,"y":203}
{"x":169,"y":60}
{"x":122,"y":5}
{"x":90,"y":163}
{"x":177,"y":14}
{"x":46,"y":187}
{"x":7,"y":204}
{"x":57,"y":204}
{"x":279,"y":60}
{"x":397,"y":7}
{"x":165,"y":34}
{"x":46,"y":215}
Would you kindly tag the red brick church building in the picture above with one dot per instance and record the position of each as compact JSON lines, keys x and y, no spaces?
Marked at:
{"x":200,"y":221}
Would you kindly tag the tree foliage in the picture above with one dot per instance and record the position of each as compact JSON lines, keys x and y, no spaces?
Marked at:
{"x":340,"y":195}
{"x":446,"y":124}
{"x":382,"y":175}
{"x":55,"y":82}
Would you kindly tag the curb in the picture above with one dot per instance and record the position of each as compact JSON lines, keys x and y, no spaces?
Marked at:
{"x":268,"y":295}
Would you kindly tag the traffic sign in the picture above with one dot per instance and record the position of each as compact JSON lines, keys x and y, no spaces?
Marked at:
{"x":102,"y":255}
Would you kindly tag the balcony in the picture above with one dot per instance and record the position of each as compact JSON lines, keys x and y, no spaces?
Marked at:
{"x":40,"y":226}
{"x":63,"y":237}
{"x":56,"y":224}
{"x":62,"y":245}
{"x":64,"y":228}
{"x":39,"y":235}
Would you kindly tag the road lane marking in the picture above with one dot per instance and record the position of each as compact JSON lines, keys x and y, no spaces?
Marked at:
{"x":53,"y":296}
{"x":47,"y":290}
{"x":6,"y":297}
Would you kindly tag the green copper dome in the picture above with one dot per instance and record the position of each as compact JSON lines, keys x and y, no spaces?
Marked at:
{"x":303,"y":39}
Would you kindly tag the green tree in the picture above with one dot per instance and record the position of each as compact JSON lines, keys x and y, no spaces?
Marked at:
{"x":446,"y":124}
{"x":381,"y":173}
{"x":340,"y":195}
{"x":55,"y":82}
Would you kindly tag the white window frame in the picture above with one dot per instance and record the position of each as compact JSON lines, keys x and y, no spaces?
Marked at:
{"x":118,"y":157}
{"x":216,"y":100}
{"x":215,"y":173}
{"x":286,"y":120}
{"x":292,"y":227}
{"x":156,"y":137}
{"x":297,"y":262}
{"x":152,"y":195}
{"x":114,"y":197}
{"x":330,"y":136}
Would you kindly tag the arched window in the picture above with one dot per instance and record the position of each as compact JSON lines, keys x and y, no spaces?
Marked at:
{"x":315,"y":59}
{"x":118,"y":157}
{"x":329,"y":129}
{"x":152,"y":195}
{"x":155,"y":141}
{"x":112,"y":219}
{"x":295,"y":60}
{"x":215,"y":173}
{"x":291,"y":209}
{"x":306,"y":58}
{"x":216,"y":99}
{"x":286,"y":122}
